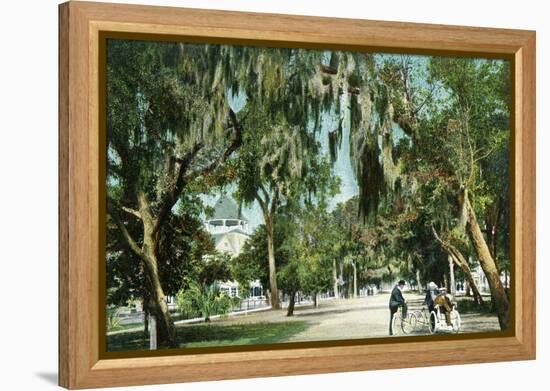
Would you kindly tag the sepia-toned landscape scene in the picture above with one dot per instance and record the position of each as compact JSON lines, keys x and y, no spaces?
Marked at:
{"x":271,"y":195}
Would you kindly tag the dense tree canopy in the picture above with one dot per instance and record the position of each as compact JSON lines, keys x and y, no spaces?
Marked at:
{"x":427,"y":141}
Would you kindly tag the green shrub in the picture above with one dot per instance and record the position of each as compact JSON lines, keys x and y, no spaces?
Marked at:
{"x":113,"y":321}
{"x":203,"y":301}
{"x":465,"y":306}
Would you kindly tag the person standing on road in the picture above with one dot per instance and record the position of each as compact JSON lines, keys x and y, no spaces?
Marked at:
{"x":431,"y":294}
{"x":396,"y":300}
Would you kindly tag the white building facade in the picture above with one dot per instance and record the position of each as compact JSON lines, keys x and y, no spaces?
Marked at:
{"x":230,"y":231}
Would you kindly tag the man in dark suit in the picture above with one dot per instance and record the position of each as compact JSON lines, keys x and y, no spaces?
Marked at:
{"x":396,"y":300}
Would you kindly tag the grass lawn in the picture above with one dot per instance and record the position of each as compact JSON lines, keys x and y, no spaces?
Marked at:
{"x":126,"y":327}
{"x":175,"y":318}
{"x":466,"y":305}
{"x":208,"y":335}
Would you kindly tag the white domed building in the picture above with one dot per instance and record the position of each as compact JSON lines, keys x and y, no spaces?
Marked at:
{"x":230,"y":230}
{"x":228,"y":227}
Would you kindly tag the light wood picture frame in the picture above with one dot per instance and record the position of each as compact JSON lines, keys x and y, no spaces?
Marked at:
{"x":82,"y":26}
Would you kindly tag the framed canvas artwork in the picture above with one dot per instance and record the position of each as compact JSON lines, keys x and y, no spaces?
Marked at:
{"x":248,"y":195}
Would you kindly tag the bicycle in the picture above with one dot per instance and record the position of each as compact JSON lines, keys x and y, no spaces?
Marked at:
{"x":421,"y":317}
{"x":406,"y":326}
{"x":435,"y":320}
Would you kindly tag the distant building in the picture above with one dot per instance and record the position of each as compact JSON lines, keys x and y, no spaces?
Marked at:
{"x":230,"y":230}
{"x":228,"y":227}
{"x":481,"y":281}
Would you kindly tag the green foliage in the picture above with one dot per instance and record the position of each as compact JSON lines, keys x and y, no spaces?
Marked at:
{"x":183,"y":245}
{"x":113,"y":320}
{"x":252,"y":262}
{"x":310,"y":242}
{"x":162,"y":99}
{"x":204,"y":301}
{"x":421,"y":131}
{"x":468,"y":306}
{"x":213,"y":335}
{"x":215,"y":268}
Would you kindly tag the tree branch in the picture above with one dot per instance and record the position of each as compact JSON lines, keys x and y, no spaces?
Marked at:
{"x":328,"y":69}
{"x":265,"y":193}
{"x":131,"y":242}
{"x":170,"y":197}
{"x":485,"y":154}
{"x":263,"y":205}
{"x":452,"y":250}
{"x":182,"y":176}
{"x":405,"y":119}
{"x":426,"y":100}
{"x":404,"y":123}
{"x":444,"y":244}
{"x":131,"y":211}
{"x":232,"y":147}
{"x":274,"y":201}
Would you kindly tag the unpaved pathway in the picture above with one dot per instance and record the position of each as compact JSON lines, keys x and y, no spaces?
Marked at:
{"x":366,"y":317}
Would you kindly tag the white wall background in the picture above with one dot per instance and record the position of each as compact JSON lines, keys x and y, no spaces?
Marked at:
{"x":28,"y":193}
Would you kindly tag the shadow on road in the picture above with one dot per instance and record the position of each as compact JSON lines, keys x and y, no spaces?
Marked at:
{"x":312,"y":312}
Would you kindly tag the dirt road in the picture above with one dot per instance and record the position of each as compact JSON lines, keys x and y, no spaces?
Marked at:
{"x":366,"y":317}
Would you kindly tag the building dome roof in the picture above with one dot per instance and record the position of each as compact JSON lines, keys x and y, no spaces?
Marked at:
{"x":226,"y":208}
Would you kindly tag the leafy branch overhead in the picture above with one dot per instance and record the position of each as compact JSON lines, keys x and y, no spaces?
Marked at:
{"x":361,"y":166}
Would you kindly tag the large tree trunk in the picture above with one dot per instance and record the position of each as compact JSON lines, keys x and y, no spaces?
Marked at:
{"x":506,"y":277}
{"x":418,"y":281}
{"x":178,"y":174}
{"x":165,"y":326}
{"x":145,"y":315}
{"x":166,"y":330}
{"x":335,"y":279}
{"x":460,"y":261}
{"x":291,"y":302}
{"x":491,"y":236}
{"x":452,"y":289}
{"x":354,"y":279}
{"x":273,"y":290}
{"x":156,"y":304}
{"x":500,"y":300}
{"x":343,"y":292}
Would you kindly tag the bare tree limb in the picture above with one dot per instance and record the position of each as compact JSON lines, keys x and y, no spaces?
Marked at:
{"x":124,"y":231}
{"x":131,"y":211}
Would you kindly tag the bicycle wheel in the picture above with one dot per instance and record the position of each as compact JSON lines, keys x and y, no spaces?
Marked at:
{"x":432,"y":322}
{"x":455,"y":320}
{"x":421,"y":318}
{"x":396,"y":323}
{"x":424,"y":318}
{"x":409,"y":324}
